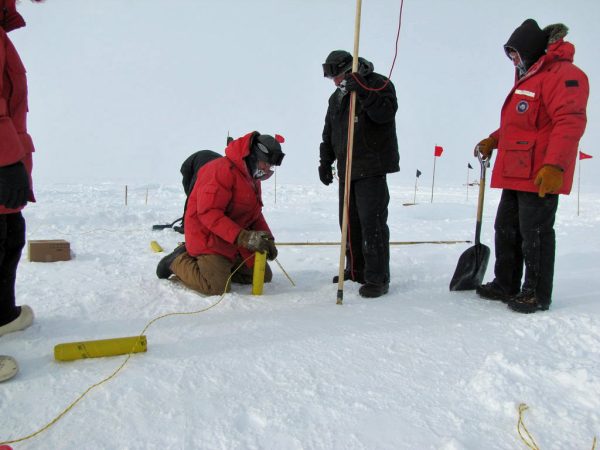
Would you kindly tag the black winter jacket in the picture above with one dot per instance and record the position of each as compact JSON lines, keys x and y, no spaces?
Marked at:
{"x":375,"y":150}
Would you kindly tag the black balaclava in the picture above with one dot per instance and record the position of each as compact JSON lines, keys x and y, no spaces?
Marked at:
{"x":530,"y":41}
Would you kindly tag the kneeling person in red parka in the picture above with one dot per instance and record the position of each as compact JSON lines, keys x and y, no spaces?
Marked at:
{"x":224,"y":223}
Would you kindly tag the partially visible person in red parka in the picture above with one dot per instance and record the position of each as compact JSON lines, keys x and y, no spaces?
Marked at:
{"x":224,"y":223}
{"x":541,"y":123}
{"x":16,"y":148}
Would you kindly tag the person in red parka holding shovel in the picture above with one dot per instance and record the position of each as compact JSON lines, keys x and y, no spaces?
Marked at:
{"x":16,"y":148}
{"x":541,"y":123}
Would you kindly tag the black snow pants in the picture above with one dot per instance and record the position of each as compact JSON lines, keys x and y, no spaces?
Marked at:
{"x":12,"y":241}
{"x":368,"y":249}
{"x":525,"y":235}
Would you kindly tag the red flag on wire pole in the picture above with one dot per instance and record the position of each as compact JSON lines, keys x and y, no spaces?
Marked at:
{"x":581,"y":156}
{"x":437,"y":152}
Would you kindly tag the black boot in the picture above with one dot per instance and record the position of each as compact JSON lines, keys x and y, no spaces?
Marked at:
{"x":358,"y":277}
{"x":163,"y":270}
{"x":493,"y":291}
{"x":371,"y":290}
{"x":527,"y":302}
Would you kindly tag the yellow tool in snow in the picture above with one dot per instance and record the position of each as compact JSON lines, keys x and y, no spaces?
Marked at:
{"x":155,"y":246}
{"x":258,"y":276}
{"x":95,"y":349}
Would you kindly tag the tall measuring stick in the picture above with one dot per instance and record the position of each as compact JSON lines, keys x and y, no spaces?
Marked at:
{"x":348,"y":177}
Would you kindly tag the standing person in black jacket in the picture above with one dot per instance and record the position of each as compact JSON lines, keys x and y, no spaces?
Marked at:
{"x":375,"y":154}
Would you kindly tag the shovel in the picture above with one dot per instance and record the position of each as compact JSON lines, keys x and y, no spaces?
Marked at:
{"x":472,"y":264}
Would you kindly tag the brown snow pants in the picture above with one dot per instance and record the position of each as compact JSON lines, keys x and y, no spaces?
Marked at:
{"x":208,"y":274}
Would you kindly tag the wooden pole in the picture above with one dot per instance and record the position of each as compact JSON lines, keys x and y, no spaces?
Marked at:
{"x":317,"y":244}
{"x":433,"y":179}
{"x":125,"y":195}
{"x":578,"y":183}
{"x":348,"y":178}
{"x":415,"y":196}
{"x":146,"y":196}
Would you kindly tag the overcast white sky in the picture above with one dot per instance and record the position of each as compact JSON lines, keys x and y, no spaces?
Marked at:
{"x":125,"y":91}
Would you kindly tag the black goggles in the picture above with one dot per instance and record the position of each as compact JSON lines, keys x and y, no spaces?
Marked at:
{"x":273,"y":158}
{"x":331,"y":70}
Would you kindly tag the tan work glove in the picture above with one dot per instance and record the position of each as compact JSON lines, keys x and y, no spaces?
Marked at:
{"x":549,"y":179}
{"x":255,"y":241}
{"x":486,"y":147}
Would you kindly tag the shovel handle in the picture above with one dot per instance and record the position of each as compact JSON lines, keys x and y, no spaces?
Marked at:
{"x":483,"y":163}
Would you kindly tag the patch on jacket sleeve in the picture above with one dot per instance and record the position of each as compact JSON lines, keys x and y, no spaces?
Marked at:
{"x":572,"y":83}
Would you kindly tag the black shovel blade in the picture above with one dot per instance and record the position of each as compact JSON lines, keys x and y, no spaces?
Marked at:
{"x":471,"y":268}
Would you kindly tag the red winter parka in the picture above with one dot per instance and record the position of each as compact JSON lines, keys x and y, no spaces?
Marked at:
{"x":15,"y":144}
{"x":224,"y":200}
{"x":542,"y":121}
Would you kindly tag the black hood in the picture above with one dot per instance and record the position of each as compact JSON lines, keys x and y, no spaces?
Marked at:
{"x":340,"y":61}
{"x":529,"y":40}
{"x":365,"y":67}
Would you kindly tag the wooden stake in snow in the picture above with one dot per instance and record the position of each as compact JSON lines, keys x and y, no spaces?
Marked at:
{"x":348,"y":178}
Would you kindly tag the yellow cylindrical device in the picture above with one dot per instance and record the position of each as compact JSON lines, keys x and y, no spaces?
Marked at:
{"x":155,"y":246}
{"x":258,"y":276}
{"x":95,"y":349}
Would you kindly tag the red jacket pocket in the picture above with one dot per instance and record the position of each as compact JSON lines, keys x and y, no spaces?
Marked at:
{"x":518,"y":159}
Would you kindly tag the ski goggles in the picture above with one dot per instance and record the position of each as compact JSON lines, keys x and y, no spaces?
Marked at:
{"x":332,"y":70}
{"x":264,"y":154}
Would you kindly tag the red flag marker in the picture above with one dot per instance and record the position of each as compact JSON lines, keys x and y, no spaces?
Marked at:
{"x":584,"y":155}
{"x":438,"y":150}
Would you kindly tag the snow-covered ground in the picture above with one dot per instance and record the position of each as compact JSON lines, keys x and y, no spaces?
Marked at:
{"x":421,"y":368}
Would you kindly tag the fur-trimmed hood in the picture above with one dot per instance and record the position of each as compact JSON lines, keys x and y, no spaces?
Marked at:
{"x":558,"y":49}
{"x":532,"y":42}
{"x":556,"y":32}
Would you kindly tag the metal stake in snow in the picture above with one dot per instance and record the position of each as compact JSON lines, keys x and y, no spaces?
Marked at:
{"x":348,"y":177}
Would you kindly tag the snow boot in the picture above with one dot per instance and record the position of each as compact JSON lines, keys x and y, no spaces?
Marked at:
{"x":23,"y":320}
{"x":163,"y":269}
{"x":372,"y":290}
{"x":493,"y":291}
{"x":8,"y":367}
{"x":358,"y":277}
{"x":527,"y":303}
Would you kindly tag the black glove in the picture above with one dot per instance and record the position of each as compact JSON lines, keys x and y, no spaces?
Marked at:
{"x":14,"y":185}
{"x":326,"y":174}
{"x":272,"y":251}
{"x":354,"y":86}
